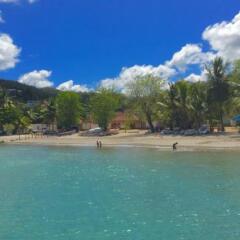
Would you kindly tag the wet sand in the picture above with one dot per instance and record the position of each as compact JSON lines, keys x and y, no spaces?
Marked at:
{"x":136,"y":139}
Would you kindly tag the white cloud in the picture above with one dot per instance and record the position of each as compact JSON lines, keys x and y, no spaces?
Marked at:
{"x":224,"y":38}
{"x":190,"y":54}
{"x":9,"y":52}
{"x":129,"y":74}
{"x":193,"y":78}
{"x":37,"y":79}
{"x":196,"y":78}
{"x":70,"y":86}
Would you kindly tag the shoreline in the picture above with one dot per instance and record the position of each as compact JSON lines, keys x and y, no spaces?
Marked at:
{"x":227,"y":142}
{"x":108,"y":146}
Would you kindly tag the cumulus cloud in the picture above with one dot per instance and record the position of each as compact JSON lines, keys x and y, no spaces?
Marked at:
{"x":196,"y":78}
{"x":193,"y":78}
{"x":190,"y":54}
{"x":9,"y":52}
{"x":37,"y":79}
{"x":70,"y":86}
{"x":129,"y":74}
{"x":224,"y":38}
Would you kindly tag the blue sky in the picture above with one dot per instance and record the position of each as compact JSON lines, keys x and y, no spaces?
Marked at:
{"x":88,"y":41}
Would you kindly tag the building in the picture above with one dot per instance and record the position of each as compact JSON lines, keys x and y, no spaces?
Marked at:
{"x":41,"y":127}
{"x":122,"y":120}
{"x":87,"y":124}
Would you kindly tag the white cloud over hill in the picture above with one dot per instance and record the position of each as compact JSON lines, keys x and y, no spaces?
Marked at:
{"x":39,"y":79}
{"x":70,"y":86}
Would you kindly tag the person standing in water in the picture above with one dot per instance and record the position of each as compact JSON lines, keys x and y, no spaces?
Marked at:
{"x":174,"y":146}
{"x":97,"y":143}
{"x":100,"y":144}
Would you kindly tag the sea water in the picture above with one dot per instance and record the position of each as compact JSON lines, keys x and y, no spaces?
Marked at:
{"x":72,"y":193}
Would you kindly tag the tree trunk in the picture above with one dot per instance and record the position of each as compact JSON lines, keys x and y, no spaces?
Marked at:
{"x":221,"y":120}
{"x":149,"y":120}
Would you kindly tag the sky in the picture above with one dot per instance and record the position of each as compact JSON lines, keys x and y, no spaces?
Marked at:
{"x":79,"y":45}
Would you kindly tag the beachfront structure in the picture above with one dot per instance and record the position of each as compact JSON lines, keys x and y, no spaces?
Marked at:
{"x":122,"y":120}
{"x":41,"y":127}
{"x":87,"y":124}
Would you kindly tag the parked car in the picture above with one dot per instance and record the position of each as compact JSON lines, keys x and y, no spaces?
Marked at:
{"x":166,"y":131}
{"x":190,"y":132}
{"x":176,"y":131}
{"x":203,"y":130}
{"x":95,"y":130}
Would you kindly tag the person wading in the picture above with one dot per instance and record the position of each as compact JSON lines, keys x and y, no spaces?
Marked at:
{"x":174,"y":146}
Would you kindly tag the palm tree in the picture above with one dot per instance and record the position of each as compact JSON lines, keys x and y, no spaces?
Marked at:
{"x":49,"y":113}
{"x":7,"y":108}
{"x":182,"y":88}
{"x":219,"y":90}
{"x":198,"y":102}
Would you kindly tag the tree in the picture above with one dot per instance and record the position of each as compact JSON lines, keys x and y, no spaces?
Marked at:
{"x":145,"y":92}
{"x":181,"y":102}
{"x":197,"y":102}
{"x":48,"y":112}
{"x":68,"y":109}
{"x":103,"y":106}
{"x":234,"y":81}
{"x":8,"y":110}
{"x":22,"y":124}
{"x":218,"y":87}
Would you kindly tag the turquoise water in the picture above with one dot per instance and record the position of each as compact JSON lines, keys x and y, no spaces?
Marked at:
{"x":65,"y":193}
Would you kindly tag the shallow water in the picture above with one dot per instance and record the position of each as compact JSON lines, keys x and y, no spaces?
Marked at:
{"x":118,"y":193}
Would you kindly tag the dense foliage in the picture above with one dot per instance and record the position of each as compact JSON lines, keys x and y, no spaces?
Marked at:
{"x":103,"y":106}
{"x":68,"y":110}
{"x":145,"y":92}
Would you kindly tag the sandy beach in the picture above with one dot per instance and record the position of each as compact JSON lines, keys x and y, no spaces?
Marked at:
{"x":230,"y":141}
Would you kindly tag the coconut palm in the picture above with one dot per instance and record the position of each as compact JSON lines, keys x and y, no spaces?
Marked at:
{"x":197,"y":102}
{"x":219,"y":89}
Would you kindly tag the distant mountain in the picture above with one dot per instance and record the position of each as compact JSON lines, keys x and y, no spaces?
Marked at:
{"x":26,"y":93}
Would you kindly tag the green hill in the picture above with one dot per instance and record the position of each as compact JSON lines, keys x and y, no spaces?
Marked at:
{"x":26,"y":93}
